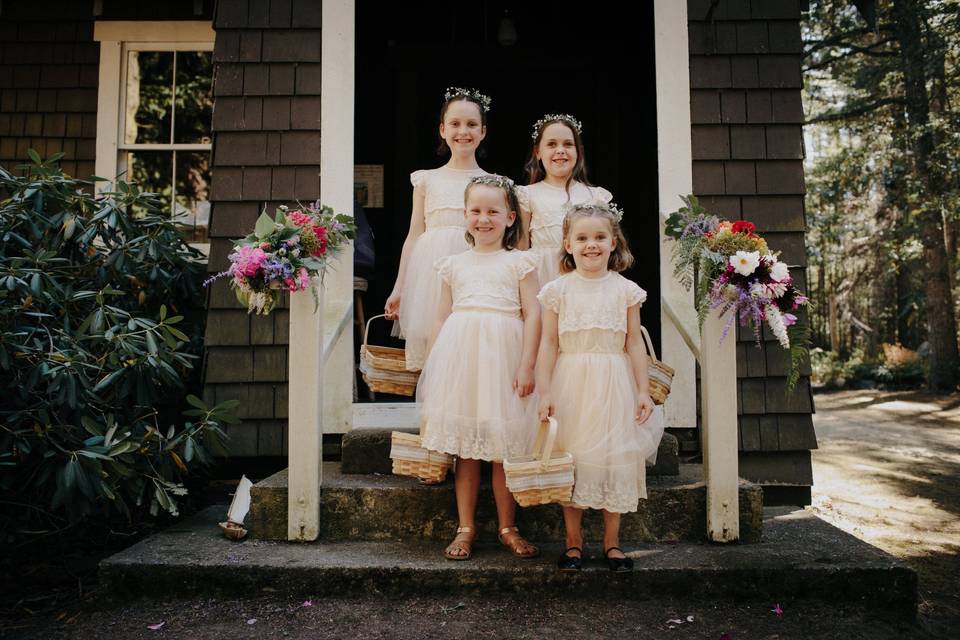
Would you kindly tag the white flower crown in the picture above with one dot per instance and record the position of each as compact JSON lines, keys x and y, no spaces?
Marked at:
{"x":550,"y":117}
{"x":493,"y":180}
{"x":453,"y":92}
{"x":609,"y":207}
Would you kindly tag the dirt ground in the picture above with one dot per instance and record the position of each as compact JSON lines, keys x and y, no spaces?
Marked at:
{"x":887,"y":471}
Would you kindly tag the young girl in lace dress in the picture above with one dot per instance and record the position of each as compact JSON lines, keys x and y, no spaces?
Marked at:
{"x":592,"y":376}
{"x":557,"y":177}
{"x":475,"y":387}
{"x":436,"y":220}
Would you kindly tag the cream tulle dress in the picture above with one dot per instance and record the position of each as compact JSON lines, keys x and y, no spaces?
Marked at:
{"x":545,"y":204}
{"x":441,"y":192}
{"x":468,"y":405}
{"x":593,"y":391}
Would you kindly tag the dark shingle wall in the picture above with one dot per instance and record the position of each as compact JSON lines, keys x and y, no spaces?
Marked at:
{"x":747,"y":144}
{"x":266,"y":125}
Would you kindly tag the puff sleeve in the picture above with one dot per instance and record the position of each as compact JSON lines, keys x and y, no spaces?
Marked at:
{"x":550,"y":296}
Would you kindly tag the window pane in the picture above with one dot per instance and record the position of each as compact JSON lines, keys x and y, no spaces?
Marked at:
{"x":153,"y":172}
{"x":194,"y":97}
{"x":193,"y":194}
{"x":149,"y":88}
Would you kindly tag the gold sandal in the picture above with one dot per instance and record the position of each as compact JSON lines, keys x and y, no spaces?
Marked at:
{"x":461,"y":545}
{"x":519,"y":543}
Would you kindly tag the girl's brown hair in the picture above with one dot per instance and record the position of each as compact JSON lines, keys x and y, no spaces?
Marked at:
{"x":620,"y":258}
{"x":443,"y":149}
{"x":511,"y":235}
{"x":534,"y":167}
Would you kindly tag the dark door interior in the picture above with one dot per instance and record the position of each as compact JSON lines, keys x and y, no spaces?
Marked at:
{"x":594,"y":63}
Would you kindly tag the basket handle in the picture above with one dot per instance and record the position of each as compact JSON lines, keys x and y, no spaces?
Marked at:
{"x":547,"y":433}
{"x":646,"y":339}
{"x":366,"y":331}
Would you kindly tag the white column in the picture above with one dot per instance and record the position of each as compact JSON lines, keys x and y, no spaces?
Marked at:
{"x":305,"y":432}
{"x":718,"y":377}
{"x":108,"y":112}
{"x":336,"y":190}
{"x":675,"y":178}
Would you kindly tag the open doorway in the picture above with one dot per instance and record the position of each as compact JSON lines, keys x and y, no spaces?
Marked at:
{"x":587,"y":62}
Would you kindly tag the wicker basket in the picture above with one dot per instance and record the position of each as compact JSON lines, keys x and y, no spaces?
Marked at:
{"x":411,"y":459}
{"x":384,"y":368}
{"x":660,"y":375}
{"x":543,"y":477}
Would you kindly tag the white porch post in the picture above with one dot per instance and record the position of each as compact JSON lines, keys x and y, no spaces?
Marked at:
{"x":678,"y":316}
{"x":336,"y":190}
{"x":718,"y":378}
{"x":675,"y":178}
{"x":321,"y":351}
{"x":304,"y":417}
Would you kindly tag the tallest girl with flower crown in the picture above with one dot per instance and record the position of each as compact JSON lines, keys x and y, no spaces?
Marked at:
{"x":436,"y":220}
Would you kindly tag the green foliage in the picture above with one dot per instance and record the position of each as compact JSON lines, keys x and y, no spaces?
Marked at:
{"x":832,"y":371}
{"x":873,"y":202}
{"x":97,"y":310}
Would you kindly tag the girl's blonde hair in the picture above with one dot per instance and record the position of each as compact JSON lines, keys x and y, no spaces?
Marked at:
{"x":620,"y":258}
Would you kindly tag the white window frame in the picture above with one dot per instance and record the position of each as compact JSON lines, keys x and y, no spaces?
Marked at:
{"x":116,"y":39}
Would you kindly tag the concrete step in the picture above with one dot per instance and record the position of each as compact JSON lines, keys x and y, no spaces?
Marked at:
{"x":388,"y":507}
{"x":368,"y":451}
{"x":800,"y":556}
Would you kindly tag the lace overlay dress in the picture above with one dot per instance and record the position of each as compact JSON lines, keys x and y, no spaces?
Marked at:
{"x":545,"y":204}
{"x":594,"y":392}
{"x":468,"y":405}
{"x":442,"y":192}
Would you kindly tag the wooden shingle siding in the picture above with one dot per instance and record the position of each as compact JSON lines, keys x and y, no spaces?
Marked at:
{"x":266,"y":123}
{"x":747,"y":147}
{"x":48,"y":84}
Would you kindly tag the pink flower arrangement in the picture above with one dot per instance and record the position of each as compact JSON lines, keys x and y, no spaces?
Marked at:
{"x":284,"y":253}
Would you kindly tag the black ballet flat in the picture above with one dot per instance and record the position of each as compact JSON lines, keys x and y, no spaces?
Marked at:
{"x":570,"y":564}
{"x":618,"y":565}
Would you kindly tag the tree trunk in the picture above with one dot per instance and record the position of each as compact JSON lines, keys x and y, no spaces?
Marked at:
{"x":938,"y":305}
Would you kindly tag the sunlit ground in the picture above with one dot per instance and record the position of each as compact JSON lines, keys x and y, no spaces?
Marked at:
{"x":888,"y":471}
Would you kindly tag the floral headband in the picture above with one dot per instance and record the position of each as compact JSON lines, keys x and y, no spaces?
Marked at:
{"x":551,"y":117}
{"x":609,"y":207}
{"x":473,"y":94}
{"x":493,"y":180}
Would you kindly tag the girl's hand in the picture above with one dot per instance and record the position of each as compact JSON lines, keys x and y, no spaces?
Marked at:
{"x":644,"y":407}
{"x":545,"y":409}
{"x":392,"y":308}
{"x":523,"y":383}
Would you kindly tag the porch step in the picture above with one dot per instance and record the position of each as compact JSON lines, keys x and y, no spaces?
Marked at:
{"x":368,"y":451}
{"x":800,"y":556}
{"x":388,"y":507}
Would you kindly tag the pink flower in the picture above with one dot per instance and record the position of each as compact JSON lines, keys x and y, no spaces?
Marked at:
{"x":299,"y":218}
{"x":247,"y":261}
{"x":303,"y":278}
{"x":777,"y":610}
{"x":789,"y":319}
